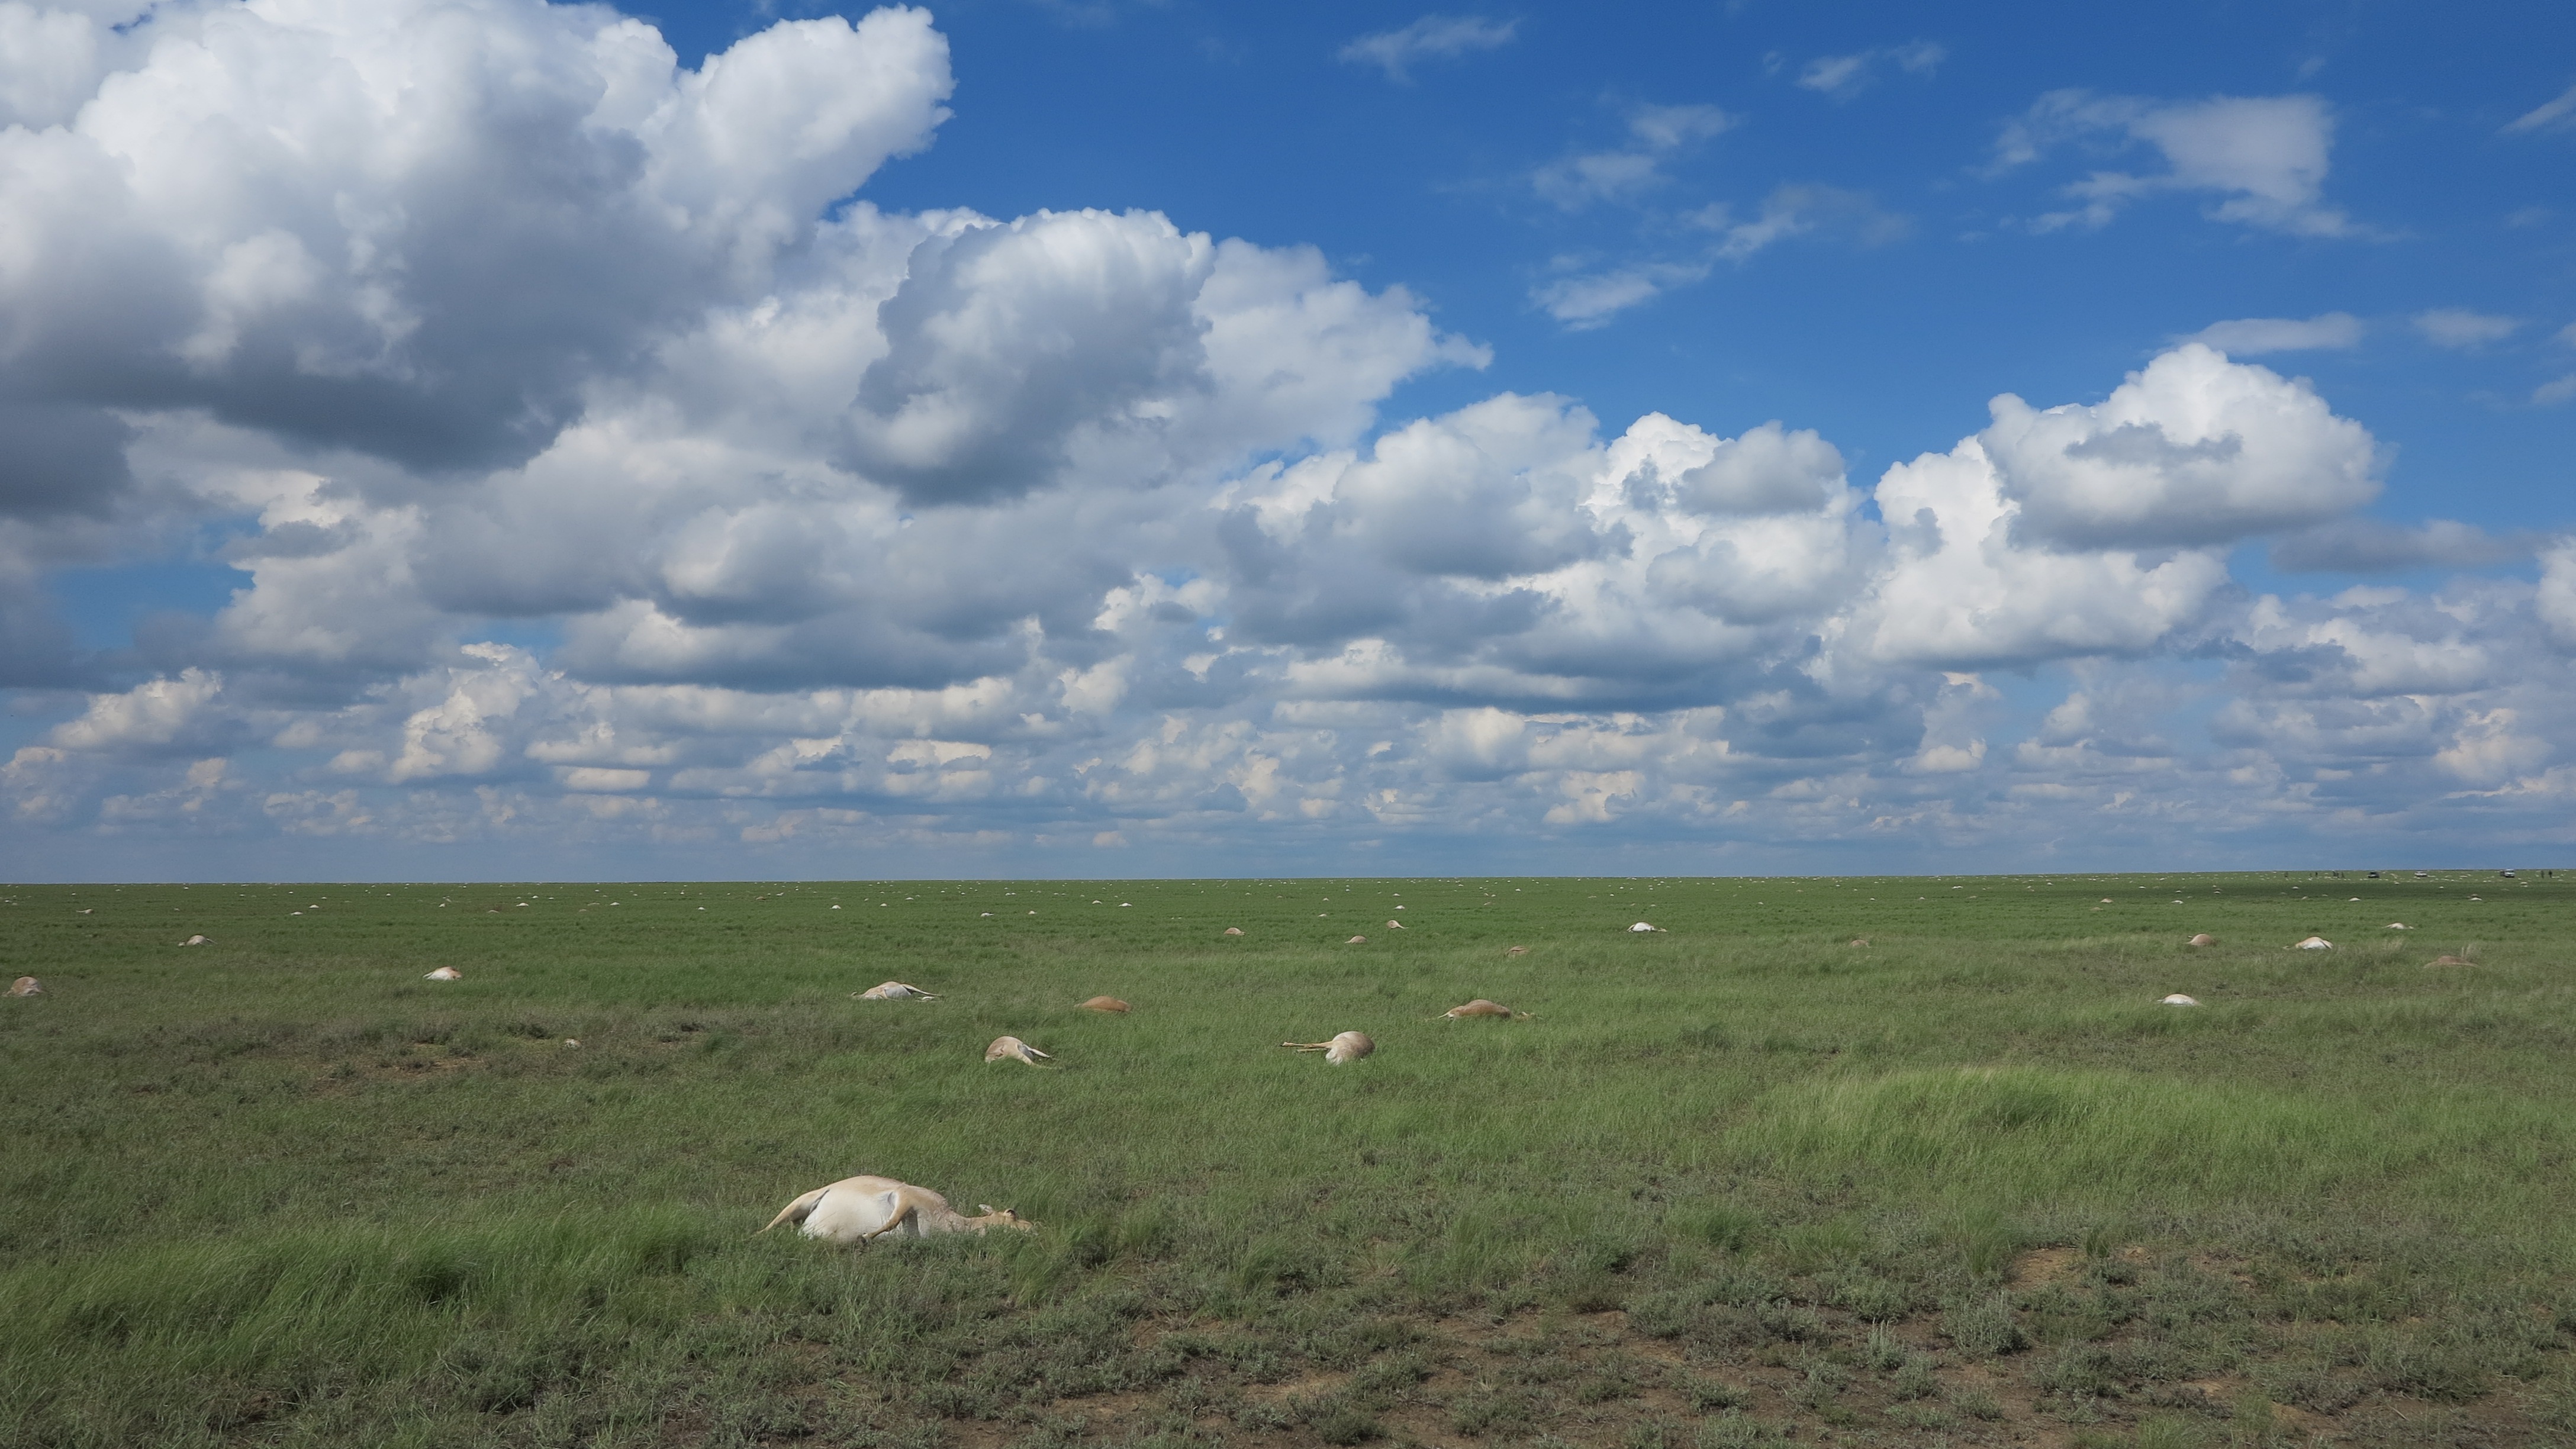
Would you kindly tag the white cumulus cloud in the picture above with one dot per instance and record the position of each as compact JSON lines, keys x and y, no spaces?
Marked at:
{"x":2191,"y":450}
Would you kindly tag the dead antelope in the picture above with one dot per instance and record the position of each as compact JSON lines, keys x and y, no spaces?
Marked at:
{"x":2203,"y":939}
{"x":1395,"y":925}
{"x":1516,"y":950}
{"x":1481,"y":1007}
{"x":444,"y":973}
{"x":2438,"y":961}
{"x":1860,"y":940}
{"x":2177,"y":999}
{"x":894,"y":991}
{"x":1234,"y":930}
{"x":26,"y":986}
{"x":1356,"y":941}
{"x":863,"y":1209}
{"x":1016,"y":1049}
{"x":1350,"y":1046}
{"x":2314,"y":943}
{"x":1105,"y":1003}
{"x":197,"y":941}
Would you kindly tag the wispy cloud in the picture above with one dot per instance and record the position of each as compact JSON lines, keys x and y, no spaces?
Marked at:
{"x":1656,"y":134}
{"x":1588,"y":300}
{"x":2556,"y":115}
{"x":1801,"y":208}
{"x":1845,"y":76}
{"x":2266,"y":157}
{"x":1433,"y":37}
{"x":1585,"y":300}
{"x":2460,"y":328}
{"x":2254,"y":336}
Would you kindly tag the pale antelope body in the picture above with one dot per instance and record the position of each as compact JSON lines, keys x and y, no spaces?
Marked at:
{"x":1348,"y":1047}
{"x":26,"y":986}
{"x":894,"y":991}
{"x":445,"y":973}
{"x":863,"y":1209}
{"x":1234,"y":930}
{"x":197,"y":941}
{"x":2177,"y":999}
{"x":2204,"y":939}
{"x":1016,"y":1049}
{"x":2314,"y":943}
{"x":1105,"y":1003}
{"x":1481,"y":1007}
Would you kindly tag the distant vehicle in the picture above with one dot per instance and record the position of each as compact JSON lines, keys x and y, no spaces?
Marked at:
{"x":2374,"y":875}
{"x":2419,"y":875}
{"x":2508,"y":875}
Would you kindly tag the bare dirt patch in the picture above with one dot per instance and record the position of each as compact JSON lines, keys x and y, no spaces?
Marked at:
{"x":2046,"y":1265}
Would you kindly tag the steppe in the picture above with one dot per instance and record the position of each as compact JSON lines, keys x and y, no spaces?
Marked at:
{"x":1740,"y":1180}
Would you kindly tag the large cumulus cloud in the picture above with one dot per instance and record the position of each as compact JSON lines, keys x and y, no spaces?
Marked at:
{"x":419,"y":230}
{"x":605,"y":472}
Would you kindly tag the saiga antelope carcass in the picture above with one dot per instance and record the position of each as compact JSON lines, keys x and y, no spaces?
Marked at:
{"x":1350,"y":1046}
{"x":863,"y":1209}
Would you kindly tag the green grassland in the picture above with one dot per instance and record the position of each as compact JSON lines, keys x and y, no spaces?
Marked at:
{"x":1741,"y":1181}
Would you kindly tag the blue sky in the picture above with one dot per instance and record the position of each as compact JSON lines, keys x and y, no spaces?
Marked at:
{"x":489,"y":438}
{"x":1249,"y":124}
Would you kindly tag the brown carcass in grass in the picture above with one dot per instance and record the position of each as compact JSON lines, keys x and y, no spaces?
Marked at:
{"x":2203,"y":939}
{"x":444,"y":973}
{"x":1349,"y":1046}
{"x":1105,"y":1003}
{"x":1481,"y":1007}
{"x":26,"y":986}
{"x":863,"y":1209}
{"x":1015,"y":1049}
